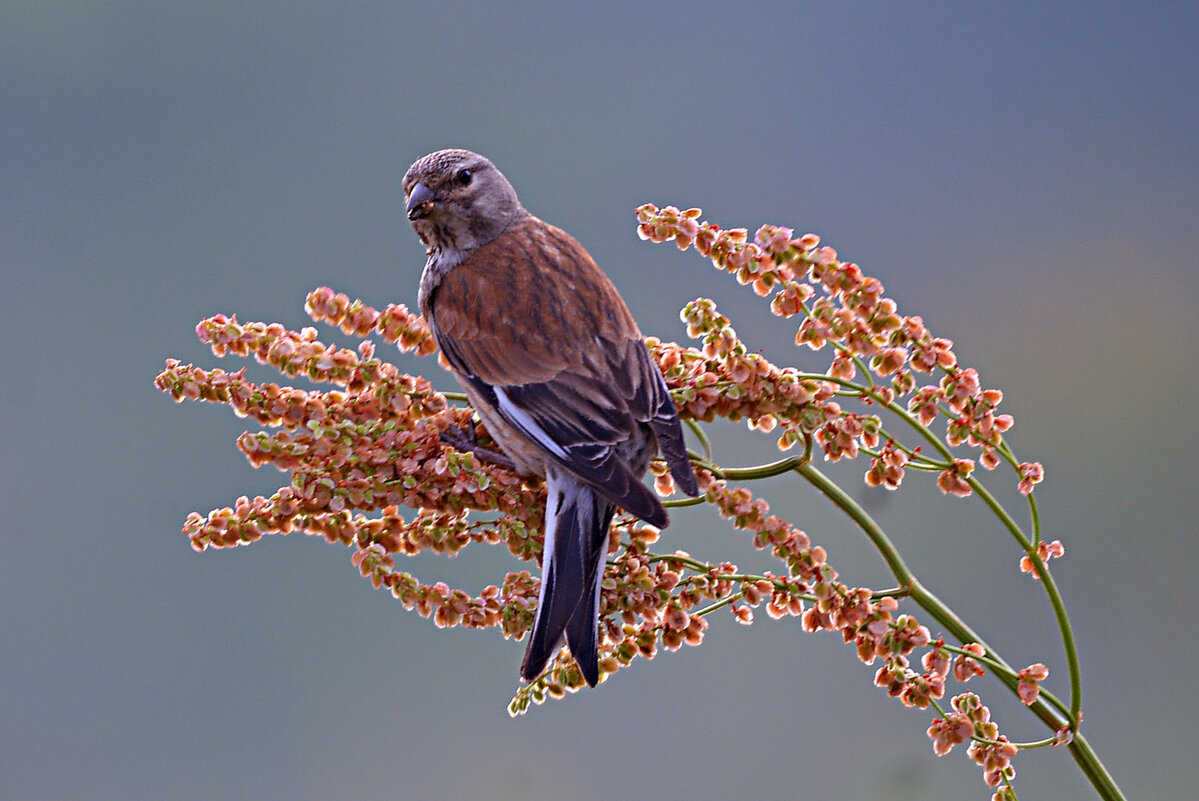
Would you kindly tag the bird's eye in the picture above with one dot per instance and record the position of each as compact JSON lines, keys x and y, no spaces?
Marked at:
{"x":463,"y":177}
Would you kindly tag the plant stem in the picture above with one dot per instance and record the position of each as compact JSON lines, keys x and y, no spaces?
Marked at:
{"x":701,"y":435}
{"x":1051,"y":590}
{"x":1079,"y":748}
{"x":1027,"y":544}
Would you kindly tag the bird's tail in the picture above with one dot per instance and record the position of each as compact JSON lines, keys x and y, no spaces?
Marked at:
{"x":577,"y":520}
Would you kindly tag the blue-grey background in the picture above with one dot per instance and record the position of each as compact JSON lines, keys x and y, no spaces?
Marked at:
{"x":1022,"y":175}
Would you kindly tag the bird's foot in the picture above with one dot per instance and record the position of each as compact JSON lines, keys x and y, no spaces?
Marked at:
{"x":466,"y":439}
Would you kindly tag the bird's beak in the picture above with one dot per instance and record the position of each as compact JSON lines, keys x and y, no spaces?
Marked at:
{"x":420,"y":202}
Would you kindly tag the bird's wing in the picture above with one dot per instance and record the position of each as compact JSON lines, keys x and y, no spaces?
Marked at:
{"x":534,"y":326}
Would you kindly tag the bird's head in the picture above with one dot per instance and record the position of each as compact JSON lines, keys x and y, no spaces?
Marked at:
{"x":457,"y":200}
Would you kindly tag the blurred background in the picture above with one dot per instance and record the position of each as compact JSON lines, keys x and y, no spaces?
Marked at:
{"x":1022,"y":175}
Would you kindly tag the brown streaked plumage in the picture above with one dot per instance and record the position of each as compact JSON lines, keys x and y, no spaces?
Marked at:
{"x":556,"y":367}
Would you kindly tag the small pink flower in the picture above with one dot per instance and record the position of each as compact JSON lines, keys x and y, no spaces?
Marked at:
{"x":1031,"y":474}
{"x":1029,"y":685}
{"x":890,"y":361}
{"x":989,"y":458}
{"x":1046,"y":551}
{"x":936,"y":660}
{"x":953,"y":481}
{"x":842,"y":367}
{"x":965,"y":668}
{"x":924,"y":404}
{"x":946,"y":733}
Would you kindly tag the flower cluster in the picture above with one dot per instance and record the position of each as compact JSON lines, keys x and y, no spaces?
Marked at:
{"x":843,"y":307}
{"x":861,"y":617}
{"x":395,"y":324}
{"x":509,"y":606}
{"x":990,"y":749}
{"x":724,"y":380}
{"x":370,"y":469}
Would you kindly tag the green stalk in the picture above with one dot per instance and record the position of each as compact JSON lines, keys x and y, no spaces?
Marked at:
{"x":1029,"y":548}
{"x":1079,"y":747}
{"x":1051,"y":590}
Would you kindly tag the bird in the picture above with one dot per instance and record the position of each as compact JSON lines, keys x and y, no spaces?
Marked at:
{"x":556,"y":368}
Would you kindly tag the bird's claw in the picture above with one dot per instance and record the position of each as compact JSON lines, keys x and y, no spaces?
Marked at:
{"x":466,"y":439}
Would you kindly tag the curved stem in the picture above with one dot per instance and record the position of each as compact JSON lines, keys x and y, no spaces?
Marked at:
{"x":680,"y":502}
{"x":997,"y":509}
{"x":1027,"y":544}
{"x":1080,"y":749}
{"x":701,"y":435}
{"x":723,"y":602}
{"x":1035,"y":516}
{"x":872,"y":530}
{"x":758,"y":471}
{"x":1051,"y":590}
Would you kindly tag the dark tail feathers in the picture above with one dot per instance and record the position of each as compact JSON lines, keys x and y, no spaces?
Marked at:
{"x":572,"y":567}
